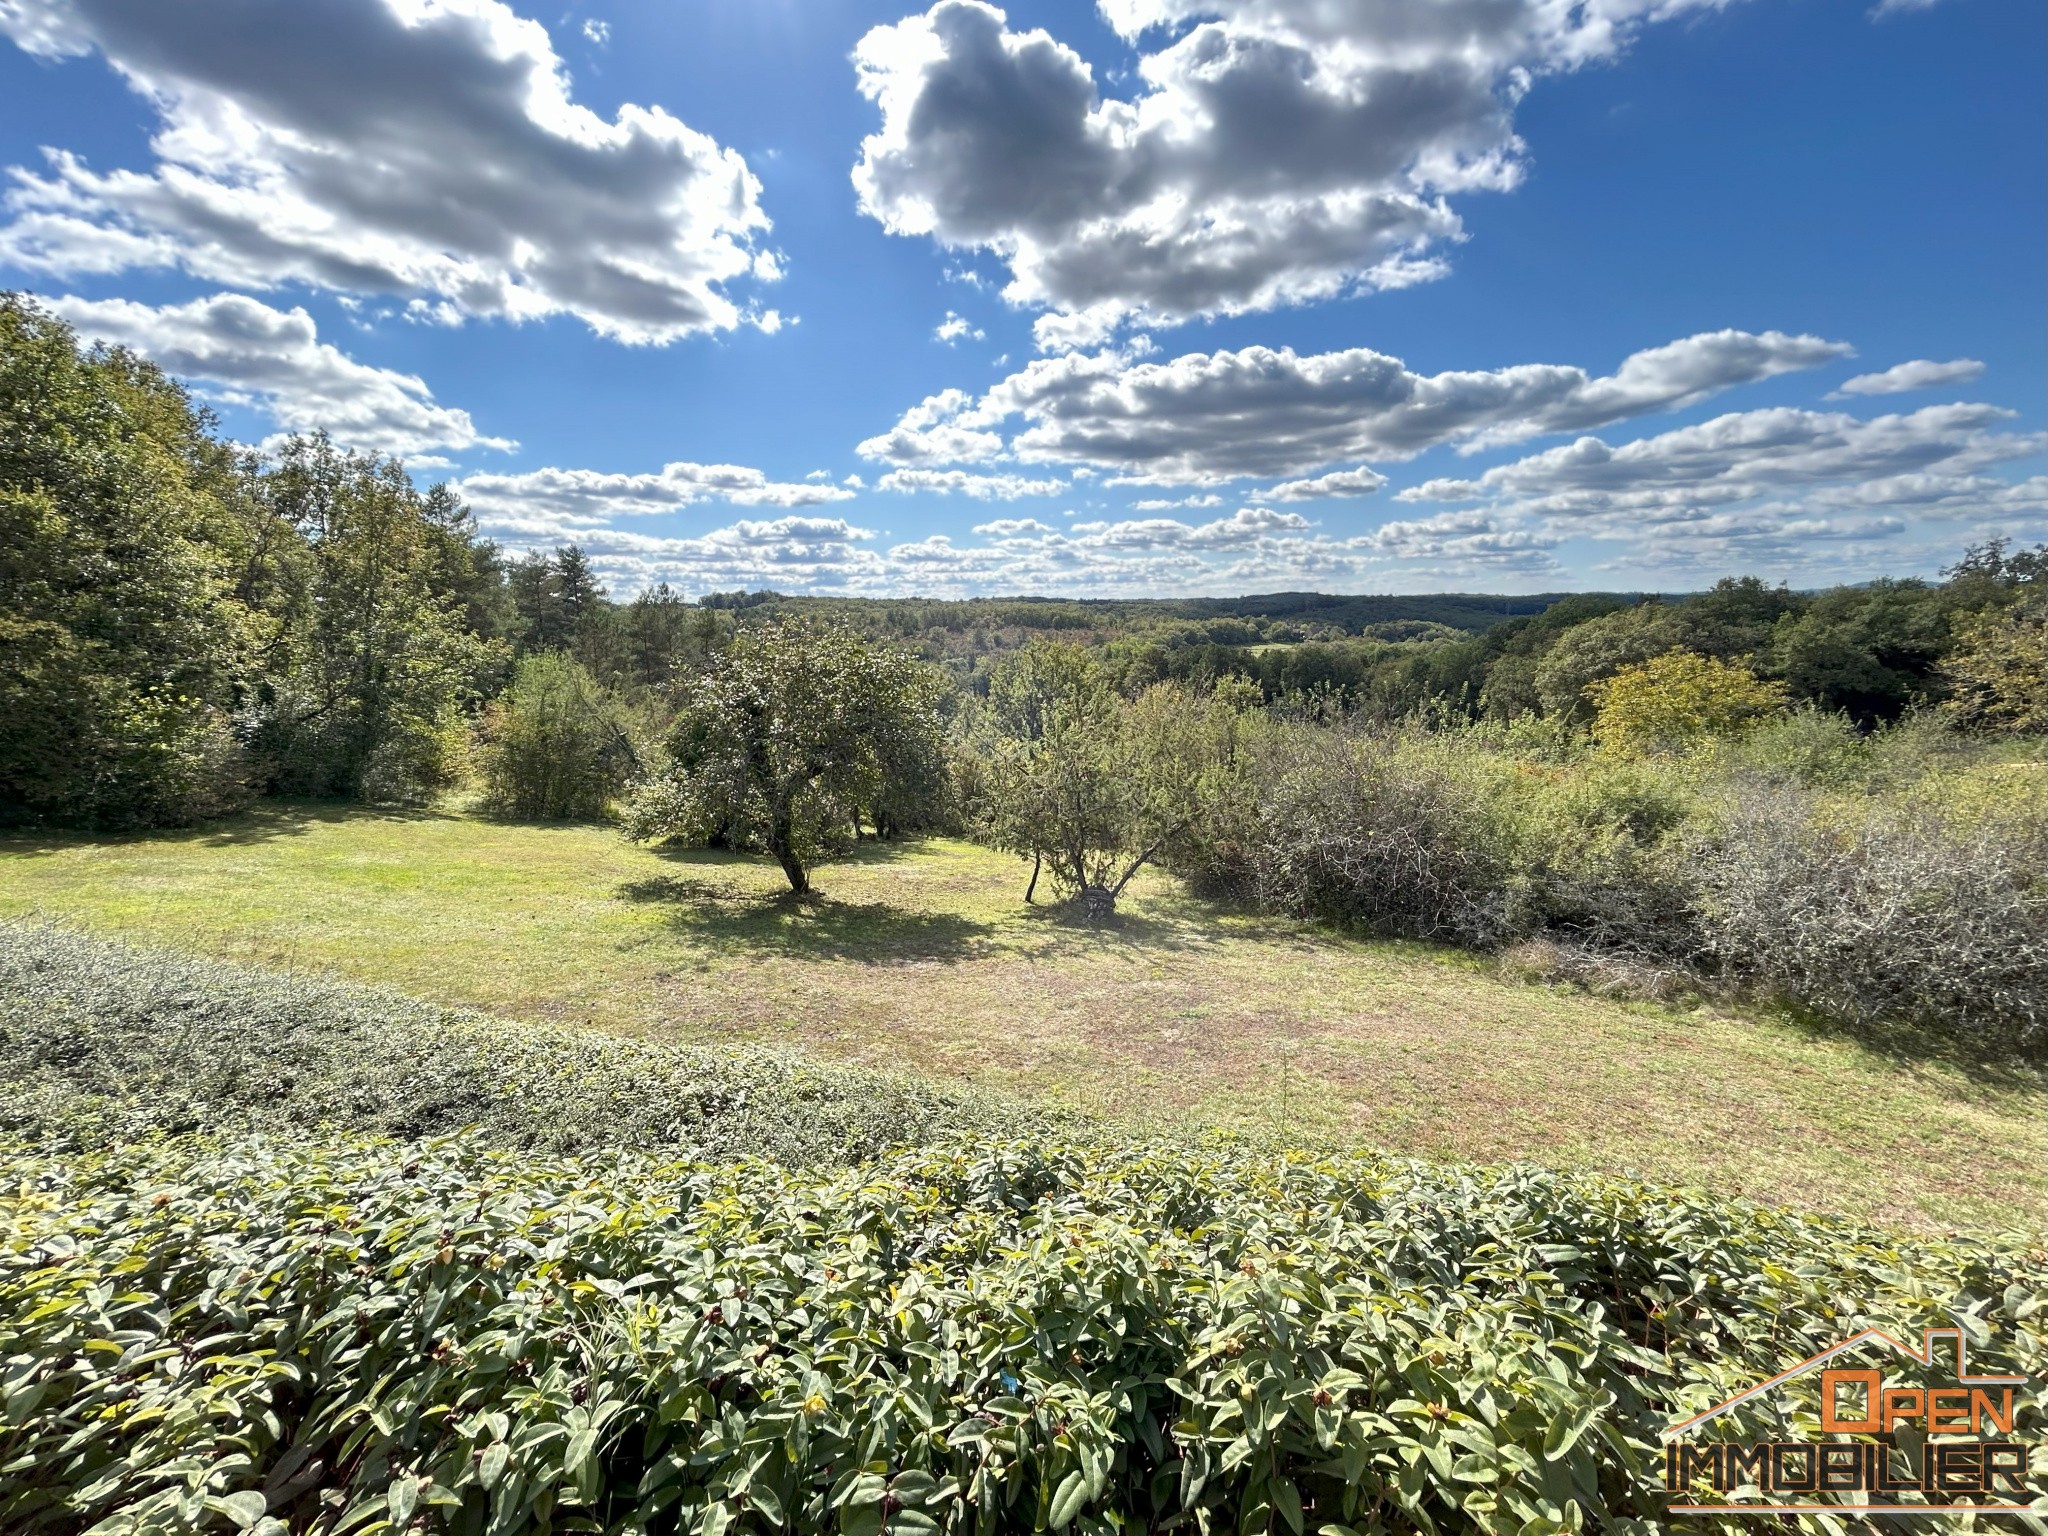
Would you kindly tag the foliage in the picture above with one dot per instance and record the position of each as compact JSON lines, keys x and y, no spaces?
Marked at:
{"x":1002,"y":1337}
{"x":1091,"y":787}
{"x":1901,"y":875}
{"x":105,"y":1042}
{"x":785,"y":737}
{"x":1678,"y":699}
{"x":1881,"y":910}
{"x":1998,"y":672}
{"x":555,"y":744}
{"x":385,"y":664}
{"x":127,"y":641}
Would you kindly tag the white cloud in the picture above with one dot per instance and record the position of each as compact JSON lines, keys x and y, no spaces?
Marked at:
{"x":953,"y":327}
{"x":1918,"y":374}
{"x":552,"y":503}
{"x":1255,"y":548}
{"x":244,"y":353}
{"x":405,"y":147}
{"x":1470,"y":537}
{"x":959,"y":482}
{"x":1206,"y":417}
{"x":933,"y":432}
{"x":1341,"y":482}
{"x":1274,"y":151}
{"x":1926,"y":458}
{"x":1246,"y":525}
{"x":1167,"y":503}
{"x":597,"y":32}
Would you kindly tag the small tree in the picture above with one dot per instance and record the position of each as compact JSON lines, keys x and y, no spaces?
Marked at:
{"x":556,"y":744}
{"x":1676,"y":699}
{"x":1998,"y":672}
{"x":1091,"y":787}
{"x":781,"y":736}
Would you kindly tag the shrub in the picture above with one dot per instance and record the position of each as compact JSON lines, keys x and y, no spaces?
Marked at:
{"x":556,"y":745}
{"x":107,"y":1042}
{"x":1015,"y":1337}
{"x":1901,"y":875}
{"x":1366,"y":829}
{"x":1882,"y":910}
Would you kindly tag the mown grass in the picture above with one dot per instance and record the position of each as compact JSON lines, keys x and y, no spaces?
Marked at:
{"x":923,"y":957}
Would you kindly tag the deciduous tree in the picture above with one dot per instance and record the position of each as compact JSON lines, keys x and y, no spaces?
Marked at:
{"x":779,"y":738}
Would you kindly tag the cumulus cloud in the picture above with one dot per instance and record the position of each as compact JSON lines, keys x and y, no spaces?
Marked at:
{"x":406,"y":147}
{"x":1167,"y":503}
{"x":1918,"y":374}
{"x":1206,"y":417}
{"x":1273,"y":151}
{"x":960,"y":482}
{"x":935,"y":431}
{"x":1471,"y":538}
{"x":553,"y":503}
{"x":953,"y":327}
{"x":237,"y":351}
{"x":1254,"y":548}
{"x":1339,"y":482}
{"x":1925,"y":458}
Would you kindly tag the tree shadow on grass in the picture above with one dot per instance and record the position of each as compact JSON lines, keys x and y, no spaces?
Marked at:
{"x":1064,"y":930}
{"x":1983,"y":1060}
{"x":263,"y":822}
{"x":731,"y":916}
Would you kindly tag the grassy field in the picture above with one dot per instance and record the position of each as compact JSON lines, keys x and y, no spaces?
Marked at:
{"x":923,"y":957}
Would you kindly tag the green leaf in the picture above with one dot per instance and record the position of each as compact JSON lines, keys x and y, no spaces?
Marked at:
{"x":492,"y":1466}
{"x":1067,"y":1502}
{"x":401,"y":1498}
{"x":245,"y":1508}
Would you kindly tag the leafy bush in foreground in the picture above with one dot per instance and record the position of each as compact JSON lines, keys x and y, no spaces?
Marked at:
{"x":105,"y":1041}
{"x":1011,"y":1337}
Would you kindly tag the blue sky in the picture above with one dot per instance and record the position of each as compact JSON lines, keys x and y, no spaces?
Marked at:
{"x":1163,"y":297}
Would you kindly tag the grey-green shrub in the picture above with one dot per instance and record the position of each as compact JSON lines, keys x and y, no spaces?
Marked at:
{"x":1886,"y":912}
{"x":103,"y":1041}
{"x":1898,"y":876}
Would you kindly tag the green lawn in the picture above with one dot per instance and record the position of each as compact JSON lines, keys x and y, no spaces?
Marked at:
{"x":923,"y":957}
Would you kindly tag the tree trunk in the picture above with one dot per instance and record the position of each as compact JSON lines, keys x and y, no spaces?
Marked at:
{"x":799,"y":881}
{"x":781,"y":837}
{"x":1036,"y":860}
{"x":1097,"y":903}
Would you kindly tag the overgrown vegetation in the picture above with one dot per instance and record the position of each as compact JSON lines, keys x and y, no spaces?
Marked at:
{"x":555,"y":744}
{"x":1902,"y":875}
{"x":271,"y":1324}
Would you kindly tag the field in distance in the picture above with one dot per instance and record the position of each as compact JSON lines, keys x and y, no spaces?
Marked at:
{"x":922,"y":956}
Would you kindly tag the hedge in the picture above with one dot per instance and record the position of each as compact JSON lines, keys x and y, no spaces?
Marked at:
{"x":104,"y":1041}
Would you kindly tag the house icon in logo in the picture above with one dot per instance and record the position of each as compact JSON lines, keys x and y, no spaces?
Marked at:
{"x":1959,"y":1468}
